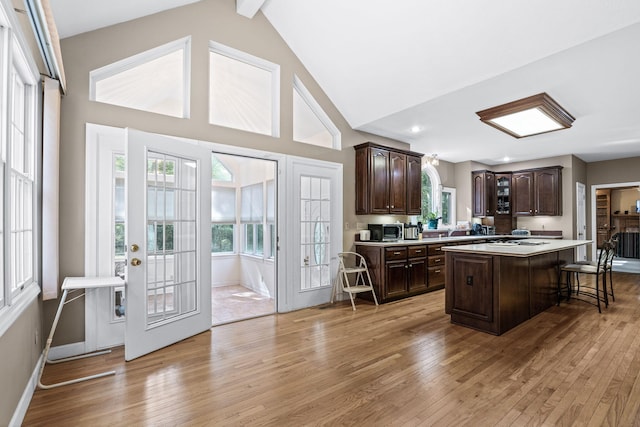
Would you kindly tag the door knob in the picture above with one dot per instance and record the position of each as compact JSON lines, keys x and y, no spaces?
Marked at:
{"x":135,"y":262}
{"x":134,"y":248}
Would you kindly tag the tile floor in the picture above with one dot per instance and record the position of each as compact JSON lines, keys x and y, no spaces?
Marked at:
{"x":235,"y":302}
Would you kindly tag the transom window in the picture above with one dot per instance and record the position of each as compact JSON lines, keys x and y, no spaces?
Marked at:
{"x":156,"y":80}
{"x":243,"y":91}
{"x":311,"y":124}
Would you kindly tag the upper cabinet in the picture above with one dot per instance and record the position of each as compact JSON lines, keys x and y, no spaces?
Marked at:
{"x":484,"y":191}
{"x":388,"y":181}
{"x":537,"y":192}
{"x":521,"y":193}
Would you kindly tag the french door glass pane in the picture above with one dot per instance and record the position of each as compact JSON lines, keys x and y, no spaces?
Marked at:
{"x":315,"y":196}
{"x":171,"y":236}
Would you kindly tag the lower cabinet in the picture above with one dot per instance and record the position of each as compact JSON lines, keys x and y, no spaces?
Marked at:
{"x":401,"y":271}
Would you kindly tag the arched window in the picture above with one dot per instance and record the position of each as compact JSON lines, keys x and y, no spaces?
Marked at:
{"x":430,"y":192}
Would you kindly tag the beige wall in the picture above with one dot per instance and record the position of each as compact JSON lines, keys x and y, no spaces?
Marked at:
{"x":203,"y":21}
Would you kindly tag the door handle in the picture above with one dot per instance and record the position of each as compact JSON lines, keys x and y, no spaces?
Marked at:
{"x":135,"y":262}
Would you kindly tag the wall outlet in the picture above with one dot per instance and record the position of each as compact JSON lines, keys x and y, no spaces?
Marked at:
{"x":346,"y":225}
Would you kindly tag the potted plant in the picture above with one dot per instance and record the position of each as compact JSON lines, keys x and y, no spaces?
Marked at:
{"x":432,"y":220}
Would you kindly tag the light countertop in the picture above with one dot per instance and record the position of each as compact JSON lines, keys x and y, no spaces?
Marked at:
{"x":452,"y":239}
{"x":523,"y":248}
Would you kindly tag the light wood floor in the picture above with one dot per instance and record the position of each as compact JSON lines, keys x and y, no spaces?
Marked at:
{"x":402,"y":364}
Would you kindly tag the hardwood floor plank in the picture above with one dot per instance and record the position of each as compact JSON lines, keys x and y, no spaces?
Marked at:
{"x":399,"y":364}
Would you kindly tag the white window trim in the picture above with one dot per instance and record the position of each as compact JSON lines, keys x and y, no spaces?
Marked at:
{"x":436,"y":185}
{"x":271,"y":67}
{"x":112,"y":69}
{"x":15,"y":44}
{"x":319,"y":112}
{"x":454,"y":202}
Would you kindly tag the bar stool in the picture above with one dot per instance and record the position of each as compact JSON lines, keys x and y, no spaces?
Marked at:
{"x":359,"y":268}
{"x":70,"y":285}
{"x":597,"y":269}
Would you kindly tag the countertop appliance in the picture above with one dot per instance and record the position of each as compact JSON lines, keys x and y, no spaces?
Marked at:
{"x":385,"y":232}
{"x":488,"y":230}
{"x":410,"y":232}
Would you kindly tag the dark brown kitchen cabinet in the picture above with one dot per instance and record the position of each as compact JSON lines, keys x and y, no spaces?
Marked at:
{"x":414,"y":185}
{"x":396,"y":271}
{"x":537,"y":192}
{"x":388,"y":181}
{"x":484,"y":190}
{"x":435,"y":270}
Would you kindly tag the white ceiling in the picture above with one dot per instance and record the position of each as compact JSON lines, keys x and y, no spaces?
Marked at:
{"x":389,"y":66}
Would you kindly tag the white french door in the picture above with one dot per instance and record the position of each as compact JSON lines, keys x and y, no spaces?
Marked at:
{"x":168,"y":241}
{"x":316,"y":193}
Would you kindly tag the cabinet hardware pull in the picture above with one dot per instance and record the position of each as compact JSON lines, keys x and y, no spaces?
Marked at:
{"x":418,"y":251}
{"x":438,"y":260}
{"x":437,"y":271}
{"x":392,"y":206}
{"x":438,"y":249}
{"x":397,"y":253}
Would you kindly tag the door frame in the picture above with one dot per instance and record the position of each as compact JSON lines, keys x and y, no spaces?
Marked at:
{"x":290,"y":254}
{"x":92,"y":301}
{"x":581,"y":220}
{"x":594,"y":187}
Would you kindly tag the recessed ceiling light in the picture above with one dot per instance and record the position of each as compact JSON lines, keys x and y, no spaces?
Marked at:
{"x":529,"y":116}
{"x":415,"y":129}
{"x":506,"y":159}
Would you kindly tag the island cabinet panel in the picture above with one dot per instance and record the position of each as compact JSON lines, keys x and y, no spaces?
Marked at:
{"x":543,"y":282}
{"x":472,"y":288}
{"x":396,"y":271}
{"x":388,"y":180}
{"x":512,"y":292}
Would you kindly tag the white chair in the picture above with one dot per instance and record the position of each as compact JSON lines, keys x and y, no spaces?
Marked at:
{"x":354,"y":264}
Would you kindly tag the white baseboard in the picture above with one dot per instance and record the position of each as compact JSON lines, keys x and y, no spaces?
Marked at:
{"x":27,"y":394}
{"x":67,"y":350}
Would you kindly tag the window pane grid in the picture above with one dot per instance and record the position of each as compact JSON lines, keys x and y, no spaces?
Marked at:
{"x":315,"y":199}
{"x":171,"y":237}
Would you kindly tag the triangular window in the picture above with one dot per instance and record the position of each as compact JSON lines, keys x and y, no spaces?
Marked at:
{"x":311,"y":124}
{"x":156,"y":80}
{"x":219,"y":172}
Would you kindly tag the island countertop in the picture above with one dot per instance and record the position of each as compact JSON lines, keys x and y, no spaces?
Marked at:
{"x":519,"y":248}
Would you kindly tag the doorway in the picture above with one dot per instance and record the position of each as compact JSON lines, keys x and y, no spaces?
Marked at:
{"x":614,"y":213}
{"x":247,"y":238}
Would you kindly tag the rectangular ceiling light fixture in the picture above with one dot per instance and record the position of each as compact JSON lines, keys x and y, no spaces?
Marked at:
{"x":528,"y":116}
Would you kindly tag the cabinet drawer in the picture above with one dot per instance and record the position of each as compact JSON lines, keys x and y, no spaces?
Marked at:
{"x":436,"y":276}
{"x":436,"y":260}
{"x":398,"y":253}
{"x":417,"y":251}
{"x":436,"y":250}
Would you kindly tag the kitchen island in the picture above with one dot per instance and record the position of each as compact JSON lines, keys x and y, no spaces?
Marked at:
{"x":496,"y":286}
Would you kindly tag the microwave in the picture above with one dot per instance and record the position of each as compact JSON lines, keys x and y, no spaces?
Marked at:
{"x":385,"y":232}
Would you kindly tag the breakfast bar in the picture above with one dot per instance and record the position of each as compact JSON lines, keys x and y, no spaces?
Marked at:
{"x":496,"y":286}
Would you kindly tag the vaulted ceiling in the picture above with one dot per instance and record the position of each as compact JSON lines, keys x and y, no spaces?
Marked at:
{"x":393,"y":66}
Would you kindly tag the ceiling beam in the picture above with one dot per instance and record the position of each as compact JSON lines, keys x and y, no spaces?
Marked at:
{"x":248,"y":8}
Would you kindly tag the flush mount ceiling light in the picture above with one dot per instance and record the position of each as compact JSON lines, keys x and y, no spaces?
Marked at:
{"x":529,"y":116}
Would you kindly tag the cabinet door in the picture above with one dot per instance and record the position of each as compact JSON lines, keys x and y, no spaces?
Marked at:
{"x":523,"y":191}
{"x":547,"y":192}
{"x":396,"y":273}
{"x":362,"y":182}
{"x":417,"y":274}
{"x":483,"y":193}
{"x":397,"y":183}
{"x":414,"y":185}
{"x":379,"y":181}
{"x":473,"y":287}
{"x":478,"y":193}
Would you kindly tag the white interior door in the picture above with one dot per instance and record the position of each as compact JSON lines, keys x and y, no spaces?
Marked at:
{"x":581,"y":220}
{"x":316,"y":219}
{"x":168,"y":241}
